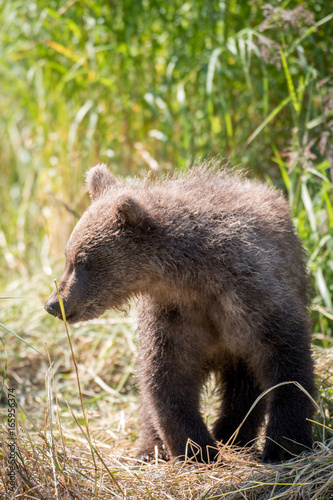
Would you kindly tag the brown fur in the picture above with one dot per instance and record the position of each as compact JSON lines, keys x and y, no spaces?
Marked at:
{"x":221,"y":286}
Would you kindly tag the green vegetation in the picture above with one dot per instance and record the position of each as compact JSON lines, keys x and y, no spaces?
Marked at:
{"x":149,"y":84}
{"x":145,"y":85}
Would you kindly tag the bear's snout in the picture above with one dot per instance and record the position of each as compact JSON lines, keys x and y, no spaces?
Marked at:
{"x":52,"y":306}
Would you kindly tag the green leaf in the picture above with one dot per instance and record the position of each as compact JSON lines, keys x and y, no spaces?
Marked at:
{"x":290,"y":83}
{"x":323,"y":289}
{"x":211,"y":70}
{"x":20,"y":338}
{"x":309,"y":207}
{"x":277,"y":158}
{"x":329,"y":208}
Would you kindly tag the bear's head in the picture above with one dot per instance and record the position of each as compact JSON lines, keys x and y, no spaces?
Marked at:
{"x":107,"y":253}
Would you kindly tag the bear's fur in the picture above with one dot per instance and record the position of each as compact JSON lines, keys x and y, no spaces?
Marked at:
{"x":222,"y":287}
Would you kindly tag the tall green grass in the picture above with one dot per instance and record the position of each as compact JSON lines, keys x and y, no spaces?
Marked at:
{"x":150,"y":85}
{"x":146,"y":85}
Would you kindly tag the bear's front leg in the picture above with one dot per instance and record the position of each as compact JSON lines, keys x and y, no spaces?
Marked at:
{"x":171,"y":377}
{"x":150,"y":442}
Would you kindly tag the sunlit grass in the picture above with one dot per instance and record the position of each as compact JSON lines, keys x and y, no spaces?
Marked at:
{"x":56,"y":457}
{"x":147,"y":86}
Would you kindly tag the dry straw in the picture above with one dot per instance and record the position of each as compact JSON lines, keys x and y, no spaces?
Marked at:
{"x":47,"y":471}
{"x":69,"y":458}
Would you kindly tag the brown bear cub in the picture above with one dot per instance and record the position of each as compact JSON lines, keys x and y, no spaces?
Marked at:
{"x":221,"y":284}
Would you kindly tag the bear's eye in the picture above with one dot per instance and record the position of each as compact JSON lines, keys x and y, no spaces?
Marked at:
{"x":82,"y":261}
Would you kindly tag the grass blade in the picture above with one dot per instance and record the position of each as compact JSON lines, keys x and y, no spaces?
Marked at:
{"x":309,"y":207}
{"x":324,"y":292}
{"x":290,"y":83}
{"x":20,"y":338}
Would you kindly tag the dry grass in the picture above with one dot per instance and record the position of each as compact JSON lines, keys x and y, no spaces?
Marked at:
{"x":52,"y":465}
{"x":62,"y":455}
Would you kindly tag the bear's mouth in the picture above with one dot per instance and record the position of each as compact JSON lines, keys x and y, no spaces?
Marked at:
{"x":70,"y":318}
{"x":85,"y":315}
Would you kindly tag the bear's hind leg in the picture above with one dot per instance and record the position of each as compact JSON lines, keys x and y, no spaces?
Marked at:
{"x":239,"y":391}
{"x":290,"y":409}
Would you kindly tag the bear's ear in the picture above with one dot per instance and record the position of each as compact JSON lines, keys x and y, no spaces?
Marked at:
{"x":128,"y":212}
{"x":98,"y":179}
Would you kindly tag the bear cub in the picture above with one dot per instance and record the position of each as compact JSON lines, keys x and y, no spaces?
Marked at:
{"x":221,"y":286}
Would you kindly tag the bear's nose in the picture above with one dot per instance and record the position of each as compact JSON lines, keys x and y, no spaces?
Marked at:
{"x":53,"y":307}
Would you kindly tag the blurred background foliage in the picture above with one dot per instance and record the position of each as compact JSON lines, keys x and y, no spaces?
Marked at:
{"x":150,"y":85}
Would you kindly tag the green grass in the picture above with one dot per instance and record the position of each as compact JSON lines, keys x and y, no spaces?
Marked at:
{"x":144,"y":85}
